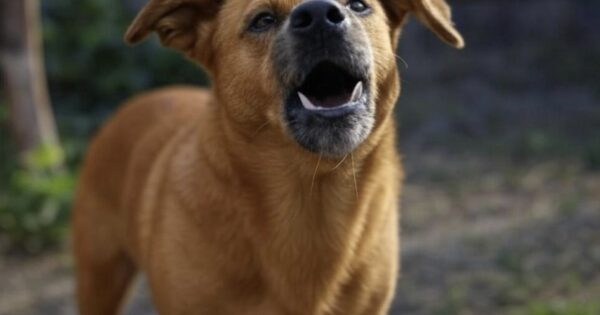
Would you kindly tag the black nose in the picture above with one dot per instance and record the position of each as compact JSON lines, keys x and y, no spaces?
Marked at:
{"x":316,"y":14}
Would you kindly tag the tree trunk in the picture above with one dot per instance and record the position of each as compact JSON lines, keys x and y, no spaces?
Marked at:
{"x":23,"y":73}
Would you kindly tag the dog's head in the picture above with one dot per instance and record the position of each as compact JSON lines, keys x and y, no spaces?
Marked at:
{"x":322,"y":71}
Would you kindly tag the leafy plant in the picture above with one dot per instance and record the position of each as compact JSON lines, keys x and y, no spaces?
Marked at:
{"x":35,"y":202}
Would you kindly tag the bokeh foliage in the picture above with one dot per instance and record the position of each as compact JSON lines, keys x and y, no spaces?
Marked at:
{"x":34,"y":204}
{"x":90,"y":71}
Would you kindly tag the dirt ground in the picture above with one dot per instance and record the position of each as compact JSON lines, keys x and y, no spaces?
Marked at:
{"x":480,"y":236}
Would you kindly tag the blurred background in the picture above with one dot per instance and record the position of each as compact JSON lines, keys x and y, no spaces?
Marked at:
{"x":501,"y":143}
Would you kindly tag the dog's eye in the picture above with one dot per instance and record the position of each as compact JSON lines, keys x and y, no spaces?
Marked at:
{"x":262,"y":22}
{"x":358,"y":6}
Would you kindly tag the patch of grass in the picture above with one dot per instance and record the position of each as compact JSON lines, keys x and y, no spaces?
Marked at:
{"x":455,"y":302}
{"x":591,"y":156}
{"x":570,"y":203}
{"x":562,"y":308}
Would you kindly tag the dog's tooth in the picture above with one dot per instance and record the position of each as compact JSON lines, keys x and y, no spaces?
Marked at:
{"x":358,"y":91}
{"x":306,"y":102}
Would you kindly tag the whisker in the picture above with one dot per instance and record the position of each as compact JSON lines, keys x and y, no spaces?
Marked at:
{"x":354,"y":175}
{"x":340,"y":163}
{"x":312,"y":183}
{"x":403,"y":61}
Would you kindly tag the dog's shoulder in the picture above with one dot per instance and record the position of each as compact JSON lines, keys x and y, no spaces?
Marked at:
{"x":168,"y":100}
{"x":142,"y":126}
{"x":169,"y":108}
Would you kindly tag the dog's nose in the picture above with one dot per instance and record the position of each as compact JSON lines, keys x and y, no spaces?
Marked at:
{"x":315,"y":14}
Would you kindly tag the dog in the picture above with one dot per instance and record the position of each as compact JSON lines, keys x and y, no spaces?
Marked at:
{"x":274,"y":193}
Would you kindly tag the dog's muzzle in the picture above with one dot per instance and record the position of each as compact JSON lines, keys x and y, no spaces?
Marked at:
{"x":323,"y":60}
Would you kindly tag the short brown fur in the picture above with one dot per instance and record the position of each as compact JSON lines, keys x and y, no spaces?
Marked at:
{"x":210,"y":197}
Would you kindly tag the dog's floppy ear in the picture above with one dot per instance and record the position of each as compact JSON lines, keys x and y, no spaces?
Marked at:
{"x":177,"y":22}
{"x":435,"y":14}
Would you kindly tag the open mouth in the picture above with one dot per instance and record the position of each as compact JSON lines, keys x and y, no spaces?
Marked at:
{"x":329,"y":111}
{"x":329,"y":87}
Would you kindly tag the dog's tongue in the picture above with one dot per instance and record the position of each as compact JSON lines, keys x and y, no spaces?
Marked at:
{"x":331,"y":101}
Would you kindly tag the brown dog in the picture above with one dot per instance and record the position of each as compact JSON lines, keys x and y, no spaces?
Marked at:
{"x":277,"y":192}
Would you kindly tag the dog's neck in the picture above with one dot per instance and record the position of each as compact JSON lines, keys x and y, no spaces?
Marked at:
{"x":308,"y":213}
